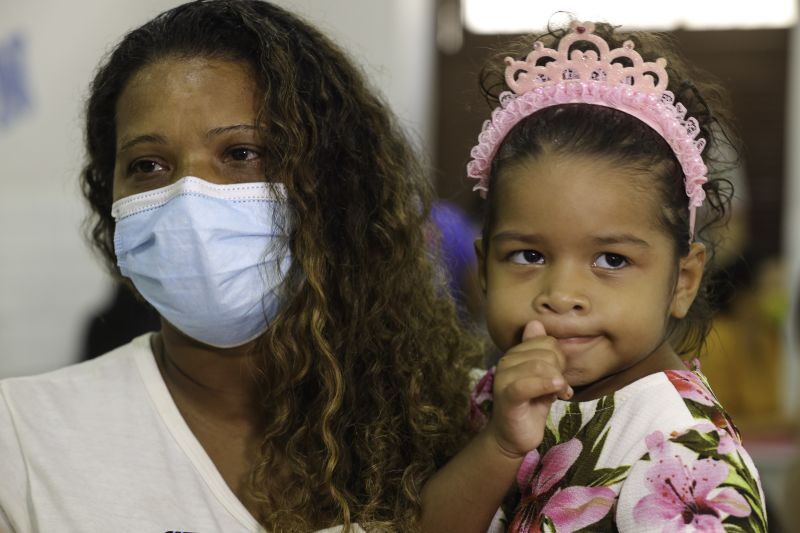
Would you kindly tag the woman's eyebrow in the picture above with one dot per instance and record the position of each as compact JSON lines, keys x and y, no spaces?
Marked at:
{"x":234,"y":127}
{"x":140,"y":139}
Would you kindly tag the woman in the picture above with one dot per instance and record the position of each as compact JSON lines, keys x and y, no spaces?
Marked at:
{"x":309,"y":371}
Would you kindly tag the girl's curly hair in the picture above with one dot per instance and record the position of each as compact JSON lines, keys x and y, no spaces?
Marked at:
{"x":605,"y":132}
{"x":364,"y":372}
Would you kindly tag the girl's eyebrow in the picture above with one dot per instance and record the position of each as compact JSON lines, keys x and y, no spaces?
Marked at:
{"x":620,"y":238}
{"x":535,"y":238}
{"x":517,"y":236}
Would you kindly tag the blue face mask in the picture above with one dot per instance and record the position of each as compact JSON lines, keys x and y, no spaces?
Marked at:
{"x":210,"y":258}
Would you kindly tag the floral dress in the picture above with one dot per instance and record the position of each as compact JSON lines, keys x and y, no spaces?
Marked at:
{"x":659,"y":455}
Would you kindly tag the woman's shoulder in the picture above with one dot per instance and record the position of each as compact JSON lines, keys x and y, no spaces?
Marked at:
{"x":108,"y":371}
{"x":79,"y":397}
{"x":94,"y":436}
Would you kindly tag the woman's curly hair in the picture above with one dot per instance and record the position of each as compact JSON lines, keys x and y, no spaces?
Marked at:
{"x":364,"y":372}
{"x":605,"y":132}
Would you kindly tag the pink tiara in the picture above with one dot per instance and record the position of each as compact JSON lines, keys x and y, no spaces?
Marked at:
{"x":598,"y":78}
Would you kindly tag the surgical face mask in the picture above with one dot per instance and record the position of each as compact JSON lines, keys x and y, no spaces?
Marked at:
{"x":210,"y":258}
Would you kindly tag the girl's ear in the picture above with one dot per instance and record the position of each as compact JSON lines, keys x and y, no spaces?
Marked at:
{"x":690,"y":273}
{"x":479,"y":252}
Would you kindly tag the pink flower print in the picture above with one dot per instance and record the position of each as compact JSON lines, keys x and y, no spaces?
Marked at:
{"x":481,"y":394}
{"x":555,"y":463}
{"x":569,"y":509}
{"x":726,"y":443}
{"x":483,"y":389}
{"x":656,"y":445}
{"x":527,"y":469}
{"x":574,"y":508}
{"x":684,"y":496}
{"x":690,"y":387}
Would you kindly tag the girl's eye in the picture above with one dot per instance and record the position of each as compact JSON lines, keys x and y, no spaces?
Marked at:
{"x":526,"y":257}
{"x":610,"y":261}
{"x":145,"y":166}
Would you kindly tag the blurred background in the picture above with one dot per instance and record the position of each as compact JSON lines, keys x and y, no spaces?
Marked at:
{"x":423,"y":56}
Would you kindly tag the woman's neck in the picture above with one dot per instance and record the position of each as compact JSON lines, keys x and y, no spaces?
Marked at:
{"x":215,"y":384}
{"x":215,"y":391}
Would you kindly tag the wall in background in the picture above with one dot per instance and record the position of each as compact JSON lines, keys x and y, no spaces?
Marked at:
{"x":791,"y":234}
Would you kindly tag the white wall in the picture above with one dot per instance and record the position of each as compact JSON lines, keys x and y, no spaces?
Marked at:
{"x":49,"y":279}
{"x":393,"y":41}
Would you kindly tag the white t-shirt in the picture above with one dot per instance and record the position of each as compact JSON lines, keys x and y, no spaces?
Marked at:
{"x":101,"y":446}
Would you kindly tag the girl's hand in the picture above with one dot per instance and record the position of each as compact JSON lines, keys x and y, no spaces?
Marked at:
{"x":467,"y":491}
{"x":528,"y":378}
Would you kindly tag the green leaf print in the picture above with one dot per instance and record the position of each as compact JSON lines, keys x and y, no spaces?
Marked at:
{"x":570,"y":423}
{"x":734,"y":528}
{"x":702,"y":443}
{"x":745,"y":474}
{"x":547,"y":525}
{"x":737,"y":481}
{"x":760,"y":526}
{"x":697,"y":410}
{"x":602,"y":415}
{"x":756,"y":512}
{"x":748,"y":524}
{"x":594,"y":434}
{"x":605,"y":477}
{"x":548,"y":441}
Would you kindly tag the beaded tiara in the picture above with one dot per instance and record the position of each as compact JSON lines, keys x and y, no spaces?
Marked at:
{"x":637,"y":87}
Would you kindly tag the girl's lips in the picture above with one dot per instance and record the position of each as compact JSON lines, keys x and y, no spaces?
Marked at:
{"x":572,"y":346}
{"x":578,"y":339}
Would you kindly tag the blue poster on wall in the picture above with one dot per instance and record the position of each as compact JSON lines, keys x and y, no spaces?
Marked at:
{"x":15,"y":96}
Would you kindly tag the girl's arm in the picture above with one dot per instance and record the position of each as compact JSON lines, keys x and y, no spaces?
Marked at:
{"x":466,"y":493}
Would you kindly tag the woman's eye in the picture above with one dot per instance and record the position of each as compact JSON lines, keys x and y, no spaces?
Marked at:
{"x":610,"y":261}
{"x":243,"y":154}
{"x":526,"y":257}
{"x":145,"y":166}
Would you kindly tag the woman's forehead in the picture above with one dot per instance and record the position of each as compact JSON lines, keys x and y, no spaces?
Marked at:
{"x":172,"y":91}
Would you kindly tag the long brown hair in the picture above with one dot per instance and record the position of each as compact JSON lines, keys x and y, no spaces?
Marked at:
{"x":364,"y":371}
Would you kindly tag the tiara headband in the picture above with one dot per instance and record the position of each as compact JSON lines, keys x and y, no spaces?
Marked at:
{"x":597,"y":78}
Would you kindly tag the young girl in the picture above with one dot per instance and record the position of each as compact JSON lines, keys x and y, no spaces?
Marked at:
{"x":309,"y":371}
{"x":592,"y":261}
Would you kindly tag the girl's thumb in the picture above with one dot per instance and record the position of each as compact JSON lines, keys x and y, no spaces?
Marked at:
{"x":533,"y":329}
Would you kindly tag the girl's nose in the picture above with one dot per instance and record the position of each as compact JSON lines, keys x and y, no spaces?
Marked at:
{"x":561,"y":294}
